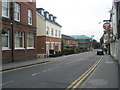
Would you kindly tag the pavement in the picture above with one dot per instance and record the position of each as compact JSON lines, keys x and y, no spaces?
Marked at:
{"x":13,"y":65}
{"x":105,"y":75}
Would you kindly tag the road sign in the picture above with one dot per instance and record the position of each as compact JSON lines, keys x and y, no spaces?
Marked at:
{"x":106,"y":26}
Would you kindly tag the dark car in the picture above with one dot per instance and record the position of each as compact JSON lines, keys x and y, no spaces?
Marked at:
{"x":100,"y":52}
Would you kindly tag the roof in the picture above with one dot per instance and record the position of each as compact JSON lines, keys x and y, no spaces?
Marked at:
{"x":54,"y":22}
{"x":81,"y":37}
{"x":67,"y":37}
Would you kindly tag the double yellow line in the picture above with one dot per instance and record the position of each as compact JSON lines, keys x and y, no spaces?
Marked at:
{"x":29,"y":66}
{"x":23,"y":67}
{"x":77,"y":82}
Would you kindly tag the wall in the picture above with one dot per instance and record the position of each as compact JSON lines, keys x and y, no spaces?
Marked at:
{"x":20,"y":54}
{"x":41,"y":45}
{"x":41,"y":28}
{"x":55,"y":27}
{"x":114,"y":45}
{"x":119,"y":50}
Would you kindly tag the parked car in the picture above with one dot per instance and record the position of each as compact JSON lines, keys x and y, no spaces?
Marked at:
{"x":100,"y":52}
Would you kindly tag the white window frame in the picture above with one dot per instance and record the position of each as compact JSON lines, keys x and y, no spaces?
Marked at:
{"x":7,"y":8}
{"x":30,"y":35}
{"x":59,"y":34}
{"x":56,"y":33}
{"x":52,"y":32}
{"x":16,"y":10}
{"x":47,"y":30}
{"x":30,"y":0}
{"x":19,"y":37}
{"x":7,"y":48}
{"x":30,"y":17}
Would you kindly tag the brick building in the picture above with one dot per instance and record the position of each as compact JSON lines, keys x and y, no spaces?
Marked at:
{"x":18,"y":31}
{"x":70,"y":42}
{"x":84,"y":42}
{"x":48,"y":34}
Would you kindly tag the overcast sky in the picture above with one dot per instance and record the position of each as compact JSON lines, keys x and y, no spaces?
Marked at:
{"x":78,"y":17}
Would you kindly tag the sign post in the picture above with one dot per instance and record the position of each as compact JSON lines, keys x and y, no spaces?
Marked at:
{"x":106,"y":26}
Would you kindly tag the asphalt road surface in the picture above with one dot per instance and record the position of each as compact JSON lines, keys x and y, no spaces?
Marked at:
{"x":59,"y":74}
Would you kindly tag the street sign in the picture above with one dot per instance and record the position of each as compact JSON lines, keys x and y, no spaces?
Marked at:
{"x":106,"y":26}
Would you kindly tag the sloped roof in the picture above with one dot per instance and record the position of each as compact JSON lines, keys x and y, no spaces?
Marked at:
{"x":81,"y":37}
{"x":67,"y":37}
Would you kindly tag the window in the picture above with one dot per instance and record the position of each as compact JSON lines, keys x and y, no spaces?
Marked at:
{"x":59,"y":46}
{"x":5,"y":8}
{"x":16,"y":12}
{"x":47,"y":31}
{"x":56,"y":33}
{"x":52,"y":32}
{"x":59,"y":34}
{"x":30,"y":40}
{"x":30,"y":0}
{"x":5,"y":39}
{"x":19,"y":39}
{"x":29,"y":17}
{"x":52,"y":45}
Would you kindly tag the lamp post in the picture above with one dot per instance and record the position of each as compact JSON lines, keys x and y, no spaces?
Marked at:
{"x":12,"y":47}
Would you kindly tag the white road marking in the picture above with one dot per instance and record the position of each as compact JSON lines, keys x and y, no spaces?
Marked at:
{"x":42,"y":71}
{"x":109,"y":62}
{"x":67,"y":63}
{"x":6,"y":83}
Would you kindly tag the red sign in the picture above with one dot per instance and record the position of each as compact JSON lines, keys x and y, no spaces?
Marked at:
{"x":106,"y":26}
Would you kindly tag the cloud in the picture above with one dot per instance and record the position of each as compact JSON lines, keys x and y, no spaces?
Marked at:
{"x":79,"y":16}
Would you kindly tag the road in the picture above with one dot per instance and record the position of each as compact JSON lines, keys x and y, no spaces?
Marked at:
{"x":61,"y":73}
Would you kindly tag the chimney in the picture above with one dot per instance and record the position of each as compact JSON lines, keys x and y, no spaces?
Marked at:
{"x":51,"y":17}
{"x":54,"y":19}
{"x":41,"y":11}
{"x":46,"y":14}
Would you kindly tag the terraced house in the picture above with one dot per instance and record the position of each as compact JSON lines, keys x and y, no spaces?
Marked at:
{"x":18,"y":31}
{"x":48,"y":34}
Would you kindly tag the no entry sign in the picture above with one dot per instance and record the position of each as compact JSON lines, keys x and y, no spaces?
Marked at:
{"x":106,"y":26}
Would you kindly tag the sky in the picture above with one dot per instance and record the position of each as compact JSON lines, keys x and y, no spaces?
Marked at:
{"x":79,"y":17}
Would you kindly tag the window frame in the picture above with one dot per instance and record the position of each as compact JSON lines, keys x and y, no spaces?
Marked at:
{"x":30,"y":17}
{"x":55,"y":33}
{"x":8,"y":42}
{"x":8,"y":8}
{"x":30,"y":0}
{"x":52,"y":32}
{"x":19,"y":40}
{"x":47,"y":31}
{"x":18,"y":12}
{"x":29,"y":35}
{"x":59,"y":34}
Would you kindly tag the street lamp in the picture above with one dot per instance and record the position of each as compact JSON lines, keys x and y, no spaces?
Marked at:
{"x":12,"y":47}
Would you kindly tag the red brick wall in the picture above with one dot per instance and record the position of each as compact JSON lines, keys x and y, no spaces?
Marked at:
{"x":24,"y":12}
{"x":41,"y":43}
{"x":24,"y":54}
